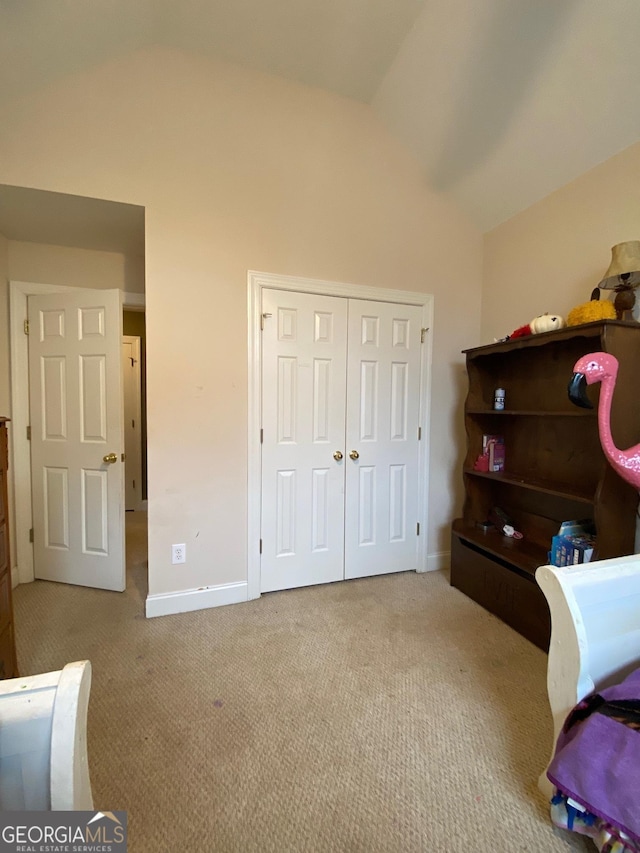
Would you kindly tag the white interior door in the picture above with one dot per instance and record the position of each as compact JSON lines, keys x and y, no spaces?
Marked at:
{"x":339,"y":376}
{"x":303,"y":392}
{"x":132,"y":422}
{"x":75,"y":394}
{"x":383,"y":411}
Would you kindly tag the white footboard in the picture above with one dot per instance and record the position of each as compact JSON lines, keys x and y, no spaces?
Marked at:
{"x":43,"y":741}
{"x":595,"y":631}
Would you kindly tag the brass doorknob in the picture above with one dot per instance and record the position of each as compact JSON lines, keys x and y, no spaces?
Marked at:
{"x":110,"y":458}
{"x":354,"y":454}
{"x":337,"y":455}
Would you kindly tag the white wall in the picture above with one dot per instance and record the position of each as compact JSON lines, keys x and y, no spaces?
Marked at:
{"x":551,"y":256}
{"x":237,"y":171}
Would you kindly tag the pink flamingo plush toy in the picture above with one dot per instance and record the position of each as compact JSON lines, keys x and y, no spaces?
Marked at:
{"x":602,"y":367}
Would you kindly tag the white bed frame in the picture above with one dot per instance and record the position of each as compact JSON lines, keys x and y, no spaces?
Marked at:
{"x":595,"y":632}
{"x":43,"y":741}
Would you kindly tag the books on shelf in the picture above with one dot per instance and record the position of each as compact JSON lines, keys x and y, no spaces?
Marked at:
{"x":573,"y":544}
{"x":493,"y":448}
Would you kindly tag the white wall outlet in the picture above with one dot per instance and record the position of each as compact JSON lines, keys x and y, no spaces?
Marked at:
{"x":178,"y":553}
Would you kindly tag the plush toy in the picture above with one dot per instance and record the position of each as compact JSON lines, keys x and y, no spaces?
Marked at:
{"x":520,"y":332}
{"x":542,"y":323}
{"x":590,"y":312}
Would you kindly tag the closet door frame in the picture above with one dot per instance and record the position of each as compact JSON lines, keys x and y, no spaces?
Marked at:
{"x":257,"y":281}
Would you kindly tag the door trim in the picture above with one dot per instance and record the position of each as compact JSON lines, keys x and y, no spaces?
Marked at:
{"x":135,"y":463}
{"x":256,"y":282}
{"x":20,"y":470}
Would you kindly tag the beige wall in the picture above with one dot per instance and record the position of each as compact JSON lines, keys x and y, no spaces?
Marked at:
{"x":43,"y":264}
{"x":552,"y":255}
{"x":240,"y":171}
{"x":73,"y":267}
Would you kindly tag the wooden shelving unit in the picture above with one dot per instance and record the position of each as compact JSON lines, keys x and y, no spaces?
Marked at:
{"x":8,"y":665}
{"x":555,"y":469}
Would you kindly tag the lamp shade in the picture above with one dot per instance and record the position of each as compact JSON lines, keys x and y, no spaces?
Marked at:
{"x":625,"y":261}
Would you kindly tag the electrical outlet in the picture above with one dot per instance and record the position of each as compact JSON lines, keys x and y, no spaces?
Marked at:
{"x":179,"y":553}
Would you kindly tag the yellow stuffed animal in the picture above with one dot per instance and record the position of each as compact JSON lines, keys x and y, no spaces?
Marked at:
{"x":592,"y":311}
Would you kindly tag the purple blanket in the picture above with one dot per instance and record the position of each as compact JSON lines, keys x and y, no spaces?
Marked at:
{"x":597,"y":758}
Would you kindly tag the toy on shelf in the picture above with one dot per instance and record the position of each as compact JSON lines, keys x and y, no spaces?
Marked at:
{"x":592,"y":311}
{"x":492,"y":456}
{"x":503,"y":524}
{"x":602,"y":367}
{"x":573,"y":544}
{"x":539,"y":324}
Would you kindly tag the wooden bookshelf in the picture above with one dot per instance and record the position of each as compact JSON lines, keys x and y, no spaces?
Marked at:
{"x":555,"y":469}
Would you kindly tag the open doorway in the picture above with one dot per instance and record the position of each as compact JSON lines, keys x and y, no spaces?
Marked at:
{"x":70,"y":243}
{"x":134,"y":380}
{"x":134,"y":368}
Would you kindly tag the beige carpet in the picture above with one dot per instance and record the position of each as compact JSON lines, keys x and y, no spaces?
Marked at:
{"x":388,"y":714}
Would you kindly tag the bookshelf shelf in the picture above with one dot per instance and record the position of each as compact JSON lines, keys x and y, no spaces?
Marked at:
{"x":578,"y":413}
{"x":560,"y":490}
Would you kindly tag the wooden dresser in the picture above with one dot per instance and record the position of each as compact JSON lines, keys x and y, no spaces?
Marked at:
{"x":8,"y":665}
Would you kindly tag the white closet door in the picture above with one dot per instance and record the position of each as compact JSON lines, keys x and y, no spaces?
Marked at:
{"x":383,"y":405}
{"x":303,"y":416}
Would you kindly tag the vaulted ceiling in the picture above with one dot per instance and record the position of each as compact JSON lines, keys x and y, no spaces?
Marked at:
{"x":501,"y":101}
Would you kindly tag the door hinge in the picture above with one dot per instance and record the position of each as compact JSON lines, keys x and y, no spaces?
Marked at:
{"x":26,"y":327}
{"x":261,"y":436}
{"x":263,"y":317}
{"x":418,"y":529}
{"x":261,"y":546}
{"x":31,"y":535}
{"x":28,"y":433}
{"x":423,"y":333}
{"x":419,"y":433}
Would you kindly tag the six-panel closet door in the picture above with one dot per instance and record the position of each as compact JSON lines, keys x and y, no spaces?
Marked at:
{"x":304,"y":349}
{"x":340,"y":410}
{"x":383,"y":410}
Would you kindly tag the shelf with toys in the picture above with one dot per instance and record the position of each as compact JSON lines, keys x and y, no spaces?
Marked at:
{"x":554,"y":468}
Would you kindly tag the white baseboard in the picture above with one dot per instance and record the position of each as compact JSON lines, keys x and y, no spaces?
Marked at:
{"x":164,"y":604}
{"x":437,"y":562}
{"x":21,"y":575}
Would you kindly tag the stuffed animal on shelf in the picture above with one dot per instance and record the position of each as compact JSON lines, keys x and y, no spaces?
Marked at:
{"x":603,"y":367}
{"x":592,"y":311}
{"x":542,"y":323}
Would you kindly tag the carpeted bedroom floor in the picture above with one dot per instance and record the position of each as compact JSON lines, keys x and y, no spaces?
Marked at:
{"x":383,"y":715}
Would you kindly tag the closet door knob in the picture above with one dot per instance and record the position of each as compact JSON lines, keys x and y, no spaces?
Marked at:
{"x":337,"y":455}
{"x":354,"y":454}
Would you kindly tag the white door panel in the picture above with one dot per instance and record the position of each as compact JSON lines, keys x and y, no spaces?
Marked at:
{"x":383,"y":408}
{"x":76,"y":419}
{"x":304,"y":351}
{"x":338,"y":375}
